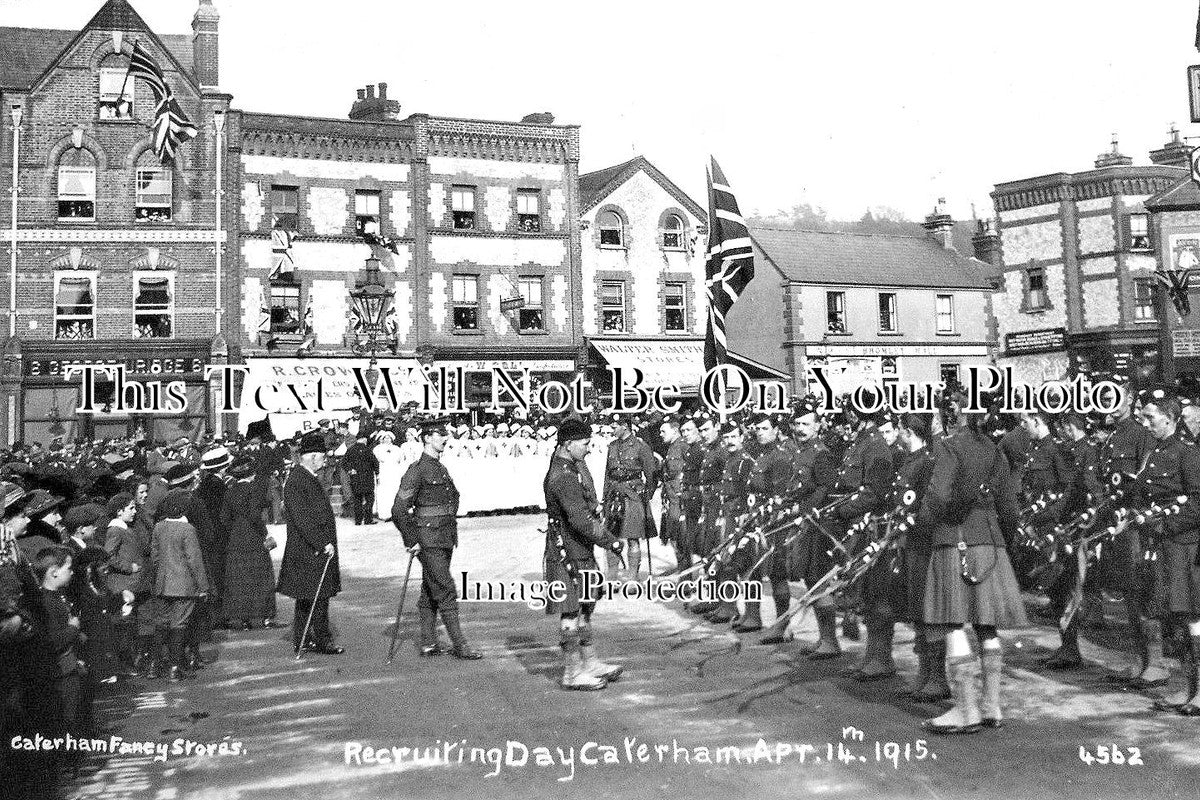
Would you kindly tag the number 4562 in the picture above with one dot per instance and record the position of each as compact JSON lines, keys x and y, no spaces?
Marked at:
{"x":1111,"y":754}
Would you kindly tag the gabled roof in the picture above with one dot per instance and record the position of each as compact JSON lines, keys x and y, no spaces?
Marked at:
{"x":595,"y":186}
{"x":846,"y":259}
{"x":1184,"y":195}
{"x":28,"y":54}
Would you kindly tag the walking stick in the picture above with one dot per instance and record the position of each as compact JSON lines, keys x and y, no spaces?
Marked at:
{"x":400,"y":609}
{"x":313,"y":607}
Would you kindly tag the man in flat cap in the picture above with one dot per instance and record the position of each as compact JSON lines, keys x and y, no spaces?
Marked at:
{"x":572,"y":532}
{"x":311,"y":549}
{"x":425,"y":511}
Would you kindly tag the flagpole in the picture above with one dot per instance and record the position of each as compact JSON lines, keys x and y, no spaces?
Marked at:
{"x":129,"y":69}
{"x":219,"y":126}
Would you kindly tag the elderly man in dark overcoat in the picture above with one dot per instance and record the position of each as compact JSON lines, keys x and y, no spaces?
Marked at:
{"x":311,"y":549}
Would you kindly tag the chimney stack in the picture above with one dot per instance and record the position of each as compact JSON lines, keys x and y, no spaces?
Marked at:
{"x":986,"y":243}
{"x":1113,"y":158}
{"x":1174,"y":153}
{"x":205,"y":53}
{"x":940,"y":225}
{"x":369,"y":108}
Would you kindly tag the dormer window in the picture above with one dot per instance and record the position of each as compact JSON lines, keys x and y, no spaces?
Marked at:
{"x":612,"y":230}
{"x":116,"y":89}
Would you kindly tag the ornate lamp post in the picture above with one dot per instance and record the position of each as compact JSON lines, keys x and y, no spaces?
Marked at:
{"x":371,"y":301}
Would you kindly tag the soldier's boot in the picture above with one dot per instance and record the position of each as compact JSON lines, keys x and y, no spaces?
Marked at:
{"x":459,"y":647}
{"x":710,"y":590}
{"x":921,"y":651}
{"x":936,"y":686}
{"x":826,"y":645}
{"x":1067,"y":656}
{"x":751,"y":620}
{"x":633,"y":556}
{"x":574,"y":676}
{"x":1154,"y":672}
{"x":991,"y":662}
{"x":430,"y":646}
{"x":725,"y":612}
{"x":878,"y":663}
{"x":778,"y":632}
{"x":1192,"y":668}
{"x":965,"y":716}
{"x":592,"y":665}
{"x":1176,"y":701}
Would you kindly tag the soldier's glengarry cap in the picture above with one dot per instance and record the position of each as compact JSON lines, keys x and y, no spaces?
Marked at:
{"x":808,"y":405}
{"x":572,"y":430}
{"x":433,"y":425}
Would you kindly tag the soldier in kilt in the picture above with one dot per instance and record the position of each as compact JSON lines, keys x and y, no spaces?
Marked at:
{"x":671,"y":521}
{"x":630,"y":473}
{"x":735,"y":483}
{"x":712,"y":469}
{"x":573,"y":530}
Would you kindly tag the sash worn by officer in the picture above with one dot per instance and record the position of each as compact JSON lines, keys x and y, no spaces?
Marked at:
{"x":425,"y":511}
{"x":572,"y":532}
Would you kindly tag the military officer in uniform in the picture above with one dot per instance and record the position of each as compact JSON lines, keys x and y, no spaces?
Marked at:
{"x":671,"y":523}
{"x":690,"y":499}
{"x":573,"y":531}
{"x":311,"y":549}
{"x":770,"y":479}
{"x":629,"y":475}
{"x":425,"y":512}
{"x":734,"y":493}
{"x":712,"y":469}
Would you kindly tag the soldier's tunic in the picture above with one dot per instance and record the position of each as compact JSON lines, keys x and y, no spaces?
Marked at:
{"x":572,"y":532}
{"x":691,"y":497}
{"x":712,"y":470}
{"x":630,"y":471}
{"x":1049,"y":471}
{"x":1122,"y":456}
{"x":814,"y":474}
{"x":866,"y":474}
{"x":1171,"y":579}
{"x":771,"y":478}
{"x":672,"y":492}
{"x":734,"y":494}
{"x":913,"y":475}
{"x":425,"y":512}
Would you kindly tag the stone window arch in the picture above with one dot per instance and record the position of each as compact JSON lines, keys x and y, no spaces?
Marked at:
{"x":76,"y":185}
{"x":672,"y":230}
{"x":612,"y":226}
{"x":153,"y":188}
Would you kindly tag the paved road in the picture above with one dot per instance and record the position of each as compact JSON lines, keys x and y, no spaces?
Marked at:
{"x":688,"y":690}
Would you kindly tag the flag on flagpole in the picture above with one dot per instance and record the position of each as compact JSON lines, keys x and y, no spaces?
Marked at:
{"x":171,"y":127}
{"x":729,"y":266}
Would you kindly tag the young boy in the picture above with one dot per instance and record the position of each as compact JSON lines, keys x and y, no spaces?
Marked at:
{"x":53,"y":567}
{"x":180,"y":578}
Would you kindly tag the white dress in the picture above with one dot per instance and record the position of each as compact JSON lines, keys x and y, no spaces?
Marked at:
{"x":388,"y":482}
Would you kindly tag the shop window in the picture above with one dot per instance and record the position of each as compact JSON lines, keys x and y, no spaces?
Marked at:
{"x":529,"y":217}
{"x":1036,"y":297}
{"x":463,"y":206}
{"x":366,"y":212}
{"x":116,"y":89}
{"x":945,"y":313}
{"x":672,"y":232}
{"x":531,"y":316}
{"x":835,"y":312}
{"x":887,"y":312}
{"x":674,"y":307}
{"x":153,"y":308}
{"x":1139,"y":232}
{"x":612,"y":306}
{"x":466,"y":302}
{"x":612,"y":230}
{"x":74,"y":307}
{"x":285,"y":307}
{"x":1143,"y":300}
{"x":285,"y":207}
{"x":154,"y":189}
{"x":77,"y":186}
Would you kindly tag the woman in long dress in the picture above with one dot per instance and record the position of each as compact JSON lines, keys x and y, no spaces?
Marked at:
{"x":249,"y":576}
{"x":391,"y":470}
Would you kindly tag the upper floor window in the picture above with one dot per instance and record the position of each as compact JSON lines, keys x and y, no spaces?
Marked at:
{"x":887,"y":312}
{"x":285,"y":306}
{"x":285,"y":207}
{"x":674,"y":307}
{"x":153,"y":310}
{"x":1139,"y":231}
{"x":528,"y":214}
{"x":366,"y":212}
{"x":77,"y":185}
{"x":612,"y":230}
{"x":945,"y":313}
{"x":1143,"y":299}
{"x":154,"y":189}
{"x":116,"y":89}
{"x":74,"y":306}
{"x":672,"y":232}
{"x":466,"y":302}
{"x":1036,"y":296}
{"x":463,"y":202}
{"x":531,"y":316}
{"x":612,"y":306}
{"x":835,"y":312}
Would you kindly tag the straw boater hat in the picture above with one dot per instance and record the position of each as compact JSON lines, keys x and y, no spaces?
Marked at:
{"x":215,"y":459}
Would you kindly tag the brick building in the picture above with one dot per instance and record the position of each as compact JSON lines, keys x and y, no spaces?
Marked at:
{"x":1077,"y":287}
{"x":1175,"y":236}
{"x":869,"y":307}
{"x":115,"y":253}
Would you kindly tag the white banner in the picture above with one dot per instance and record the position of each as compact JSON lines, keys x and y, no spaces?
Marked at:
{"x":662,"y":362}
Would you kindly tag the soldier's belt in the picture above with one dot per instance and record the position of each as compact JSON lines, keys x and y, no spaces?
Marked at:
{"x":434,"y":511}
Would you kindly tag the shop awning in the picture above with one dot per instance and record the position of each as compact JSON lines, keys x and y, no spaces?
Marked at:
{"x":663,"y":362}
{"x":295,"y":393}
{"x":756,"y":370}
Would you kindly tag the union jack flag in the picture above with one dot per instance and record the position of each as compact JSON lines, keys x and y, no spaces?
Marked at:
{"x":1175,"y":282}
{"x":730,"y":264}
{"x":171,"y":127}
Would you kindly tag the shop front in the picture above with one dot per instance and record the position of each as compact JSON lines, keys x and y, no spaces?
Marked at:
{"x":480,"y":376}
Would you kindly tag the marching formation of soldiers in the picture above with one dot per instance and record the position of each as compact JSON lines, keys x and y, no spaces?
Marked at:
{"x":938,"y":520}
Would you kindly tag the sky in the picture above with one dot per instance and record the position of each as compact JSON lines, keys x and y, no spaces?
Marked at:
{"x":842,"y":105}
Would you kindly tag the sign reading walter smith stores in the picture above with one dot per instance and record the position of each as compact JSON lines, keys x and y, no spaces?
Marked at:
{"x":1045,"y":340}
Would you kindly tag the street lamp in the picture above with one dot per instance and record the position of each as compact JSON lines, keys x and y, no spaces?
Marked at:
{"x":371,"y":301}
